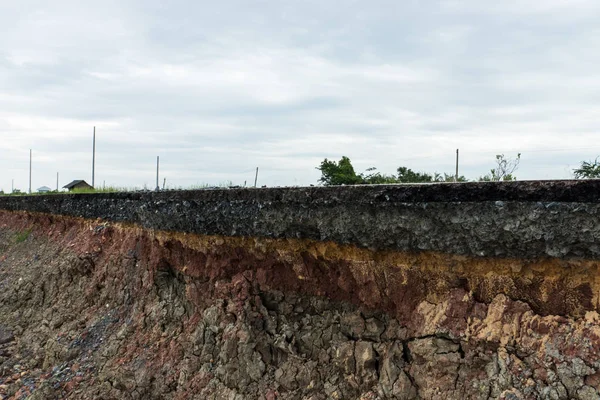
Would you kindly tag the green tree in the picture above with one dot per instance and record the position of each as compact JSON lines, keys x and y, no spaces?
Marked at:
{"x":588,"y":170}
{"x":377,"y":178}
{"x":339,"y":173}
{"x":342,"y":173}
{"x":407,"y":175}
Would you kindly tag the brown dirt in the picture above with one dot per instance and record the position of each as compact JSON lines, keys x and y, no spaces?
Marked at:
{"x":90,"y":309}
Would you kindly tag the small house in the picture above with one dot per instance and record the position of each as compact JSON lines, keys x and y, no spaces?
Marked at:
{"x":44,"y":189}
{"x":78,"y":184}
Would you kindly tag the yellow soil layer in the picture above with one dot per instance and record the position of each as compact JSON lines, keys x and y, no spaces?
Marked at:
{"x":388,"y":280}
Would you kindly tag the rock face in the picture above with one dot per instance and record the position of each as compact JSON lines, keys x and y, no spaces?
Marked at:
{"x":489,"y":219}
{"x":218,"y":308}
{"x":90,"y":309}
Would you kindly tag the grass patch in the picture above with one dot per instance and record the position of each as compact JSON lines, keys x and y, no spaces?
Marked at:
{"x":106,"y":189}
{"x":121,"y":189}
{"x":23,"y":236}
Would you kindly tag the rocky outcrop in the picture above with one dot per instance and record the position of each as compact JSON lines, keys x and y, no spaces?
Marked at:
{"x":97,"y":309}
{"x":490,"y":219}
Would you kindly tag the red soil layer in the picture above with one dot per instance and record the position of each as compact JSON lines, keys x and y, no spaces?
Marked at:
{"x":442,"y":318}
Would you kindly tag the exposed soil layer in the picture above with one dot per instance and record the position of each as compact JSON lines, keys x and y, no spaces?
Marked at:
{"x":492,"y":219}
{"x":91,"y":309}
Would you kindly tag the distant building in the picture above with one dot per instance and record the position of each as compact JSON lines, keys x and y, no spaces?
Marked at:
{"x":44,"y":189}
{"x":78,"y":184}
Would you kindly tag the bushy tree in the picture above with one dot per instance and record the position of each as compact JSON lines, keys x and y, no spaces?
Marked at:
{"x":338,"y":173}
{"x":588,"y":170}
{"x":407,"y":175}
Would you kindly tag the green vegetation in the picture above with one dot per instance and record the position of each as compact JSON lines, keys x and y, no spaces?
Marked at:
{"x":106,"y":189}
{"x":588,"y":170}
{"x":23,"y":236}
{"x":197,"y":186}
{"x":407,"y":175}
{"x":342,"y":173}
{"x":505,"y":167}
{"x":117,"y":189}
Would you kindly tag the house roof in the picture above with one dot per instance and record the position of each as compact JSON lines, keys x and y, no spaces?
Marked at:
{"x":75,"y":183}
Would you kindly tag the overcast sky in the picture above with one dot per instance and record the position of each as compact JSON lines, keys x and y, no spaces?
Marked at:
{"x":219,"y":88}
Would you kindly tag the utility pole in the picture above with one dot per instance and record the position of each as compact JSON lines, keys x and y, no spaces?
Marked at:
{"x":30,"y":156}
{"x":157,"y":165}
{"x":12,"y":186}
{"x":456,"y":176}
{"x":94,"y":158}
{"x":57,"y":181}
{"x":256,"y":177}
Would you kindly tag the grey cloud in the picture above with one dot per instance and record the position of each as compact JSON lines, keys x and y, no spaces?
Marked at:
{"x":219,"y":88}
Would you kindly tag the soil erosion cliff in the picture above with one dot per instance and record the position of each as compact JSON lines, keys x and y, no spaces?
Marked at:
{"x":452,"y":291}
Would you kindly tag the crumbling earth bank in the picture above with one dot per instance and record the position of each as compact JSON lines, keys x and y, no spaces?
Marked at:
{"x":93,"y":310}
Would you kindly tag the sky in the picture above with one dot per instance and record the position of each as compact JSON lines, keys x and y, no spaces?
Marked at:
{"x":217,"y":89}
